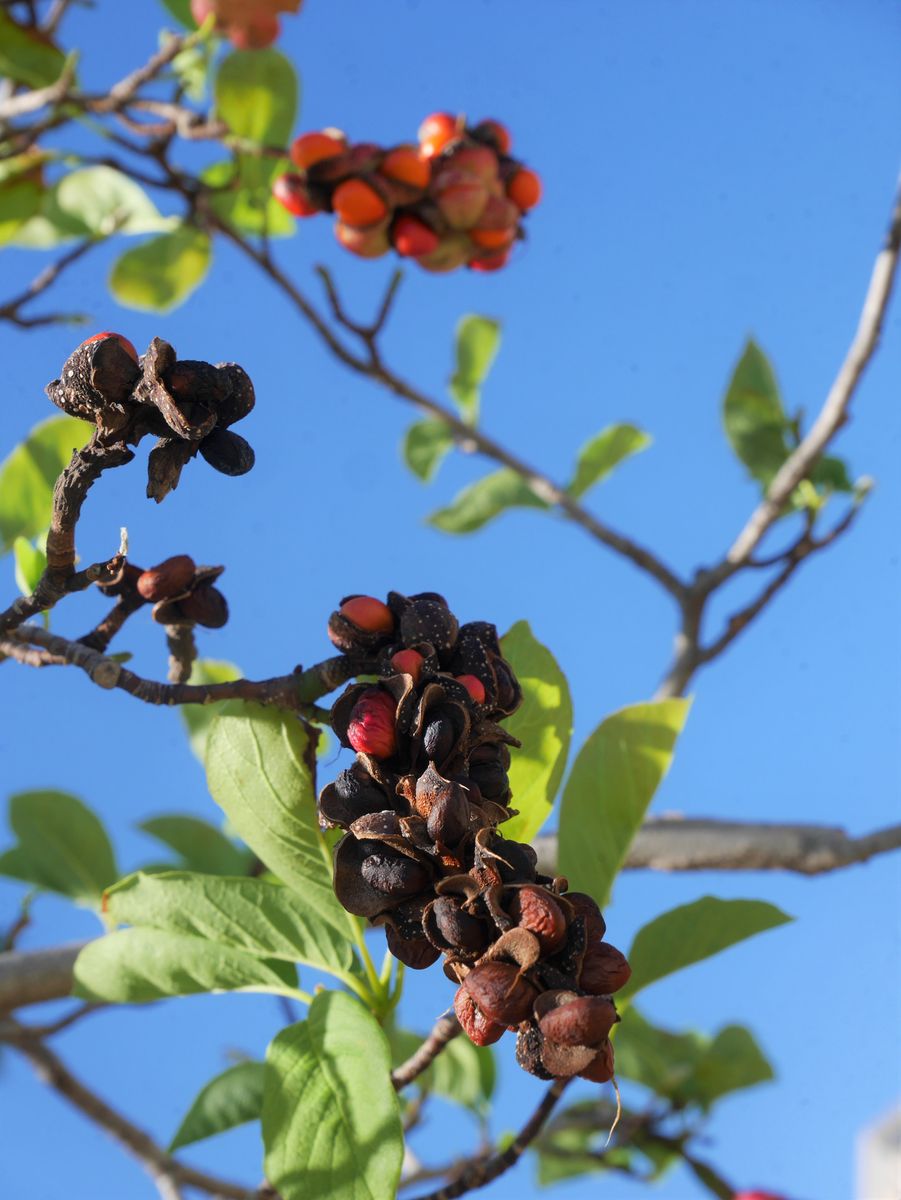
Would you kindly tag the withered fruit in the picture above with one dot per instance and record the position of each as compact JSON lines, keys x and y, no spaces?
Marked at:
{"x":535,"y":909}
{"x":604,"y":970}
{"x":168,"y":579}
{"x":501,"y":992}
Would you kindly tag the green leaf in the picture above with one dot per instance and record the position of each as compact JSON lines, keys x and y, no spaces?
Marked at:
{"x":331,"y":1119}
{"x":754,"y":417}
{"x":201,"y":846}
{"x":259,"y":918}
{"x":181,"y":10}
{"x":693,"y":932}
{"x":657,"y":1058}
{"x":138,"y":965}
{"x":199,"y":717}
{"x":246,"y":201}
{"x":28,"y":56}
{"x":732,"y":1061}
{"x":160,"y":274}
{"x":831,"y":473}
{"x":479,"y":503}
{"x":477,"y":343}
{"x":101,"y":201}
{"x":260,"y":772}
{"x":544,"y":725}
{"x":424,"y":447}
{"x":463,"y":1073}
{"x":30,"y":564}
{"x":602,"y":453}
{"x":613,"y":780}
{"x":28,"y":475}
{"x":228,"y":1100}
{"x":20,"y":199}
{"x":62,"y":846}
{"x":256,"y":96}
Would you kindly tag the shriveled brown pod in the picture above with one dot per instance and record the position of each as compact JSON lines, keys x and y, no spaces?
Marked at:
{"x":604,"y":970}
{"x":579,"y":1021}
{"x":500,"y":992}
{"x":417,"y":953}
{"x":227,"y":452}
{"x":167,"y":579}
{"x":601,"y":1067}
{"x":534,"y":908}
{"x":477,"y":1027}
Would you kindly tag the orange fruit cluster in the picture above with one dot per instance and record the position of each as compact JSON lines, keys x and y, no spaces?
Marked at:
{"x":457,"y":198}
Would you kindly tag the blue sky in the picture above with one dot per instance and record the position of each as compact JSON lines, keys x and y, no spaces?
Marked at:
{"x":712,"y":171}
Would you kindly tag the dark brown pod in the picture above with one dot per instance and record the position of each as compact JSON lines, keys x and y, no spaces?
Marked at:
{"x":126,"y":584}
{"x":167,"y":579}
{"x":585,"y":906}
{"x":564,"y":1061}
{"x":604,"y":970}
{"x":227,"y":452}
{"x":353,"y":794}
{"x":535,"y":909}
{"x":448,"y":818}
{"x":206,"y":606}
{"x":600,"y":1069}
{"x":417,"y":953}
{"x":501,"y":992}
{"x":391,"y":873}
{"x":428,"y":620}
{"x":239,"y":398}
{"x":448,"y":927}
{"x":515,"y":862}
{"x":529,"y":1044}
{"x":583,"y":1021}
{"x":165,"y":464}
{"x":476,"y":1026}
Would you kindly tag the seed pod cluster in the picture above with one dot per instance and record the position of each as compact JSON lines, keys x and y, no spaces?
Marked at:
{"x":181,"y":592}
{"x":422,"y":853}
{"x":456,"y":198}
{"x":188,"y":405}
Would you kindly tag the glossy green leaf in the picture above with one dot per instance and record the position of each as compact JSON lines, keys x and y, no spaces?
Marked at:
{"x":30,"y":564}
{"x":477,"y":342}
{"x":245,"y":200}
{"x":200,"y":845}
{"x":230,"y":1099}
{"x":693,"y":932}
{"x":613,"y":780}
{"x":101,"y":201}
{"x":62,"y":846}
{"x":543,"y":723}
{"x":256,"y":94}
{"x":134,"y":966}
{"x":199,"y":717}
{"x":27,"y":56}
{"x":20,"y":199}
{"x":602,"y":453}
{"x":160,"y":274}
{"x":259,"y":918}
{"x":754,"y":417}
{"x":424,"y":447}
{"x":479,"y":503}
{"x":28,"y":475}
{"x":331,"y":1118}
{"x":260,"y":771}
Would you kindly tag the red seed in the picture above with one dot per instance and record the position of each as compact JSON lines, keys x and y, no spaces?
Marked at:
{"x":408,"y":662}
{"x":474,"y":686}
{"x":372,"y":729}
{"x":412,"y":237}
{"x":123,"y":342}
{"x":368,"y":614}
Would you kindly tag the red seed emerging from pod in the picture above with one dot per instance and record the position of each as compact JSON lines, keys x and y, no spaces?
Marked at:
{"x":524,"y":189}
{"x":123,"y":342}
{"x":435,"y":132}
{"x":312,"y":148}
{"x":291,"y":192}
{"x":358,"y":204}
{"x":412,"y":237}
{"x":368,"y":614}
{"x":474,"y":686}
{"x":404,"y":164}
{"x":408,"y":662}
{"x":372,"y":729}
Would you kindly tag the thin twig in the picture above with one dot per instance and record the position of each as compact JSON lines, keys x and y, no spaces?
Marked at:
{"x":182,"y":652}
{"x":446,"y":1028}
{"x":10,"y":311}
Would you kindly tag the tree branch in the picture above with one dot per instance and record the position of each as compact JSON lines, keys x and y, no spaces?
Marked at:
{"x":446,"y":1028}
{"x":33,"y":976}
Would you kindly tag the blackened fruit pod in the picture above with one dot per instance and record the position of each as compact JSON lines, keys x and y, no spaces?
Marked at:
{"x":206,"y":606}
{"x":393,"y":874}
{"x":600,"y":1069}
{"x":227,"y":452}
{"x":417,"y":953}
{"x":529,"y":1044}
{"x":584,"y":906}
{"x":428,"y":620}
{"x":450,"y":928}
{"x":238,"y":398}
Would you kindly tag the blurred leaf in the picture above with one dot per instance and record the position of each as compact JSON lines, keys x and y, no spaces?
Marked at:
{"x":181,"y":10}
{"x":19,"y":200}
{"x":256,"y":95}
{"x":28,"y":56}
{"x":693,"y":932}
{"x":248,"y":203}
{"x":30,"y":564}
{"x":424,"y":447}
{"x":732,"y":1061}
{"x":477,"y":343}
{"x":479,"y":503}
{"x":62,"y":847}
{"x":102,"y":201}
{"x":463,"y":1073}
{"x":201,"y":845}
{"x":657,"y":1058}
{"x":230,"y":1099}
{"x":613,"y":780}
{"x":832,"y":473}
{"x":602,"y":453}
{"x":199,"y":717}
{"x":754,"y":417}
{"x":543,"y":723}
{"x":138,"y":965}
{"x":263,"y":919}
{"x":331,"y":1118}
{"x":260,"y":772}
{"x":160,"y":274}
{"x":28,"y":475}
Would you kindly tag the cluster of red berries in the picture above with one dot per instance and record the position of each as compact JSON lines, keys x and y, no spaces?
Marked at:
{"x":457,"y":198}
{"x":422,"y":855}
{"x":187,"y":404}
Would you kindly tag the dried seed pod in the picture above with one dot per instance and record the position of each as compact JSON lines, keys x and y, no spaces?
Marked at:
{"x":126,"y":584}
{"x":353,"y":794}
{"x":428,"y":620}
{"x":238,"y":396}
{"x":600,"y":1069}
{"x":168,"y":579}
{"x":582,"y":1021}
{"x":439,"y":739}
{"x":535,"y":909}
{"x":417,"y":953}
{"x":564,"y":1061}
{"x":491,"y":778}
{"x":205,"y":606}
{"x":227,"y":452}
{"x":450,"y":928}
{"x":448,"y":818}
{"x":352,"y":638}
{"x":515,"y":862}
{"x":476,"y":1026}
{"x":501,"y":992}
{"x":97,"y":380}
{"x":165,"y":464}
{"x":584,"y":906}
{"x":391,"y":873}
{"x":529,"y":1044}
{"x":604,"y":970}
